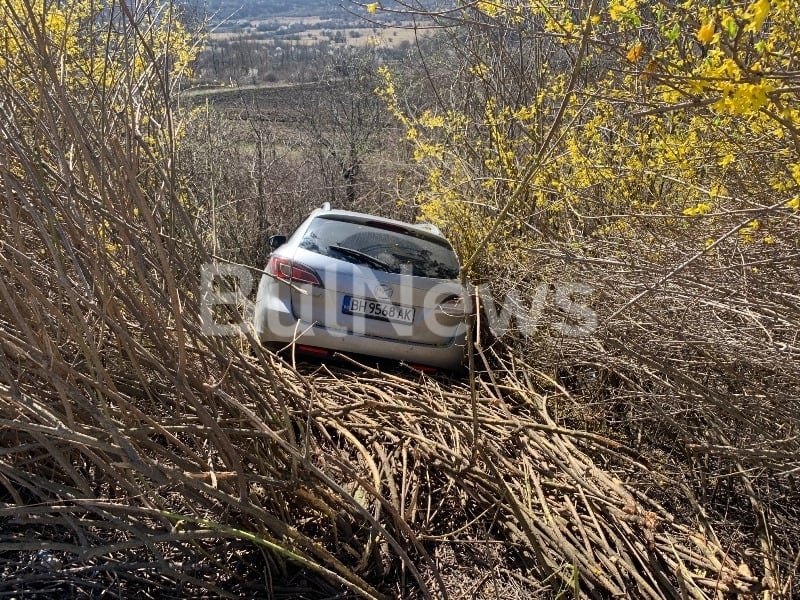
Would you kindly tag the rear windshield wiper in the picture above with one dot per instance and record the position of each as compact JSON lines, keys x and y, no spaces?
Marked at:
{"x":370,"y":260}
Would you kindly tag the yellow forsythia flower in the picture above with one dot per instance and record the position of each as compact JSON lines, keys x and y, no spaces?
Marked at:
{"x":757,"y":12}
{"x":795,"y":169}
{"x":622,"y":8}
{"x":700,"y":209}
{"x":493,"y":9}
{"x":372,"y":7}
{"x":746,"y":233}
{"x":706,"y":33}
{"x":635,"y":53}
{"x":479,"y":70}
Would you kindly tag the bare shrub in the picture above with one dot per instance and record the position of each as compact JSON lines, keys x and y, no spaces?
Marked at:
{"x":139,"y":455}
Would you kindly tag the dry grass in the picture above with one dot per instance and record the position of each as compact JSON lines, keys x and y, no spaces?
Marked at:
{"x":360,"y":477}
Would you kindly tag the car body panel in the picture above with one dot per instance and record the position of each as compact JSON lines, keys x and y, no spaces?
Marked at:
{"x":358,"y":306}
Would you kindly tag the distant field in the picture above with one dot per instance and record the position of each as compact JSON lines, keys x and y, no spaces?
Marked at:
{"x":271,"y":98}
{"x":317,"y":29}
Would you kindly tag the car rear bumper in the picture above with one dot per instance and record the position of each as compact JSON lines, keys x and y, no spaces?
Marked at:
{"x":276,"y":326}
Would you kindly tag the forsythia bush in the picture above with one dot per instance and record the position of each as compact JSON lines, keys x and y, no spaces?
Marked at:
{"x":620,"y":113}
{"x":83,"y":77}
{"x":115,"y":60}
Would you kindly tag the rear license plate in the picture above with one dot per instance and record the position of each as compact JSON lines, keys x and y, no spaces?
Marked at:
{"x":375,"y":309}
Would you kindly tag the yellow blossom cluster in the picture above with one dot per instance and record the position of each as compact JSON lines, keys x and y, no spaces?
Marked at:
{"x":696,"y":119}
{"x":110,"y":64}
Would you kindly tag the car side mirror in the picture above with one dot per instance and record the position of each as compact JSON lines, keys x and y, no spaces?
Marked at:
{"x":275,"y":241}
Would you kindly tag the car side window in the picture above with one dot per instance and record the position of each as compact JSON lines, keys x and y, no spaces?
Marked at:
{"x":310,"y":242}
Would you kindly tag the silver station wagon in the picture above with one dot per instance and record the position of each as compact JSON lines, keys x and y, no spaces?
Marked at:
{"x":359,"y":284}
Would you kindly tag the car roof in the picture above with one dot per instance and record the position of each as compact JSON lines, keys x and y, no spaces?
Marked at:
{"x":358,"y":217}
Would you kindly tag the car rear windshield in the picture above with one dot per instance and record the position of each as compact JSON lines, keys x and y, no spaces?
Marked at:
{"x":382,"y":246}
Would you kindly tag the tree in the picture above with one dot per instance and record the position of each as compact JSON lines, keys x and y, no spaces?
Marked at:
{"x":345,"y":119}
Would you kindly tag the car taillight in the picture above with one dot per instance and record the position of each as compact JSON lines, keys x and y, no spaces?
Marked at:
{"x":287,"y":270}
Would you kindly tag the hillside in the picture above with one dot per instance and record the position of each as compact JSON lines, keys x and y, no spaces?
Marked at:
{"x":273,"y":8}
{"x":268,"y":10}
{"x":265,"y":44}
